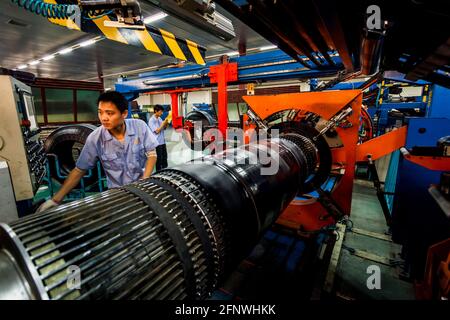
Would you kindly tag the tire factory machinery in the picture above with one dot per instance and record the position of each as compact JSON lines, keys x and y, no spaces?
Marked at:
{"x":180,"y":233}
{"x":172,"y":236}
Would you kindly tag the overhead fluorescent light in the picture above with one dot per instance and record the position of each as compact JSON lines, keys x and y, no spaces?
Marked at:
{"x":155,"y":17}
{"x":49,"y":57}
{"x":64,"y":51}
{"x":232,"y":53}
{"x":267,"y":48}
{"x":87,"y":43}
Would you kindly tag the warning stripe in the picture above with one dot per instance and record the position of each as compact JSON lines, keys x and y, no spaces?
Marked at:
{"x":167,"y":42}
{"x":152,"y":39}
{"x":171,"y":41}
{"x":184,"y":47}
{"x":147,"y":40}
{"x":193,"y":48}
{"x":109,"y":32}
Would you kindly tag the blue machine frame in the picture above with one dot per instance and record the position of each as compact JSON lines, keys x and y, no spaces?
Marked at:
{"x":418,"y":221}
{"x":264,"y":66}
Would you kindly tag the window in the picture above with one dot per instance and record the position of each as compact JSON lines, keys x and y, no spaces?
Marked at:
{"x":59,"y":105}
{"x":243,"y":108}
{"x":233,"y":114}
{"x":87,"y":105}
{"x":38,"y":104}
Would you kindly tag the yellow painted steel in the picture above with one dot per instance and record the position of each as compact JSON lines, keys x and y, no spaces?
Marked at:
{"x":171,"y":42}
{"x":147,"y":40}
{"x":111,"y":33}
{"x":195,"y":52}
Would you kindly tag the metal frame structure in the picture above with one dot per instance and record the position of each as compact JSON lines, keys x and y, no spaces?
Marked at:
{"x":307,"y":216}
{"x":265,"y":66}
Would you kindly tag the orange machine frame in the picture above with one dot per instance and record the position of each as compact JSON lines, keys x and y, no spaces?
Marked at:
{"x":313,"y":216}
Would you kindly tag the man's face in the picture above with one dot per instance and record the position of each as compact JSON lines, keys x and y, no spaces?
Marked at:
{"x":158,"y":113}
{"x":110,"y":116}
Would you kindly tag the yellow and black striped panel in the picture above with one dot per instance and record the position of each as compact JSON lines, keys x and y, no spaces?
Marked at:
{"x":152,"y":39}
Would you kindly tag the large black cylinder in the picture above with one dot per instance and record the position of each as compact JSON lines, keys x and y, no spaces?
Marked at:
{"x":172,"y":236}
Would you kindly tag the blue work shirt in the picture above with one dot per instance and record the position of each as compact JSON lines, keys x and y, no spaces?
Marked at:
{"x":154,"y":123}
{"x":123,"y":162}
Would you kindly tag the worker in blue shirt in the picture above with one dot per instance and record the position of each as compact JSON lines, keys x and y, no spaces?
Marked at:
{"x":125,"y":147}
{"x":157,"y":126}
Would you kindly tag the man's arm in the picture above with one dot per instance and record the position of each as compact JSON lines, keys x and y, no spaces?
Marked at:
{"x":150,"y":145}
{"x":153,"y":125}
{"x":85,"y":161}
{"x":71,"y":182}
{"x":149,"y":164}
{"x":163,"y":125}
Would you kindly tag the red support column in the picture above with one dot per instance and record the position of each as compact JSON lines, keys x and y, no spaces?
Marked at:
{"x":222,"y":97}
{"x":222,"y":74}
{"x":177,"y":121}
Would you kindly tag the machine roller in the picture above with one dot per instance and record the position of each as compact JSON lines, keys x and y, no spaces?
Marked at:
{"x":176,"y":235}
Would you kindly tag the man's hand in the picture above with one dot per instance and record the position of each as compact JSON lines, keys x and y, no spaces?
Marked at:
{"x":71,"y":182}
{"x":158,"y":130}
{"x":150,"y":163}
{"x":47,"y":205}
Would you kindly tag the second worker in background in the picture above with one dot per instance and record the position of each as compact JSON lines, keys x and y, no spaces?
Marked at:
{"x":157,"y":126}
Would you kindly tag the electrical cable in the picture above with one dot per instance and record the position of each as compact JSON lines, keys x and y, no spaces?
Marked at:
{"x":47,"y":10}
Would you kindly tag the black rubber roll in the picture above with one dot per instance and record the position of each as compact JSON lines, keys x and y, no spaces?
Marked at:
{"x":66,"y":143}
{"x":250,"y":200}
{"x":322,"y":165}
{"x":175,"y":235}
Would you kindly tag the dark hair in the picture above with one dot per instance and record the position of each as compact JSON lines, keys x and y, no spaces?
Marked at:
{"x":116,"y":98}
{"x":157,"y":108}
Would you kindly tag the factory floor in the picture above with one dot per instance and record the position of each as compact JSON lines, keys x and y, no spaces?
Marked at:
{"x":366,"y":246}
{"x":285,"y":267}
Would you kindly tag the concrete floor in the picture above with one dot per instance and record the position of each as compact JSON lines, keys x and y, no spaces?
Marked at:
{"x":352,"y":272}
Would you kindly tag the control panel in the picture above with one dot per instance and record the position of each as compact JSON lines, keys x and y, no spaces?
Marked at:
{"x":20,"y":145}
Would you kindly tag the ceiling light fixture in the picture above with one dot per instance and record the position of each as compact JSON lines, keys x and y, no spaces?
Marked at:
{"x":230,"y":54}
{"x":49,"y":57}
{"x":267,"y":48}
{"x":155,"y":17}
{"x":64,"y":51}
{"x":87,"y":43}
